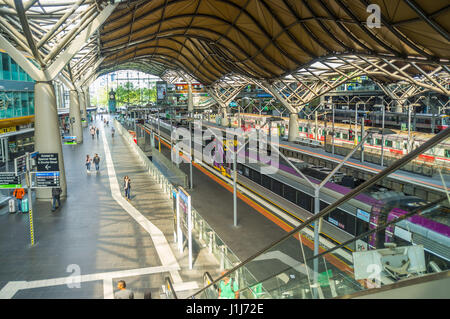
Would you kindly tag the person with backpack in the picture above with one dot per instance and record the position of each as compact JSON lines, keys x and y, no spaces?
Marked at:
{"x":96,"y":161}
{"x":56,"y":193}
{"x":228,"y":288}
{"x":97,"y":131}
{"x":19,"y":193}
{"x":127,"y":187}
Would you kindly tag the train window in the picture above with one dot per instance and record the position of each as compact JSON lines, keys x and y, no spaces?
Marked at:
{"x":299,"y":128}
{"x":369,"y":141}
{"x":277,"y":187}
{"x":345,"y":136}
{"x":338,"y":135}
{"x":361,"y":227}
{"x":266,"y":182}
{"x":255,"y":176}
{"x":378,"y":141}
{"x":289,"y":194}
{"x":304,"y":201}
{"x":447,"y":153}
{"x":388,"y":143}
{"x":343,"y":220}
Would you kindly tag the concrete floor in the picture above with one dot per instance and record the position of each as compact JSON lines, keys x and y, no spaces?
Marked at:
{"x":93,"y":234}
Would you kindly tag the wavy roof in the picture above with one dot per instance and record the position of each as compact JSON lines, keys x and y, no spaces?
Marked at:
{"x":266,"y":39}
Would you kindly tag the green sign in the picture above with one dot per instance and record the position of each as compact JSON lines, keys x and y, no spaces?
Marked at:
{"x":11,"y":186}
{"x":403,"y":127}
{"x":70,"y":143}
{"x":324,"y":278}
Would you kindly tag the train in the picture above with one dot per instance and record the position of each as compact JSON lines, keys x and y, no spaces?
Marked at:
{"x":366,"y":211}
{"x":395,"y":144}
{"x":430,"y":123}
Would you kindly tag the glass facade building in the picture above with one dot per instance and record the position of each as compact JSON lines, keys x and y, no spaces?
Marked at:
{"x":16,"y":89}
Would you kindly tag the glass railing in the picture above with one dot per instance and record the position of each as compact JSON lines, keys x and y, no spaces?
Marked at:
{"x":202,"y":232}
{"x":397,"y":237}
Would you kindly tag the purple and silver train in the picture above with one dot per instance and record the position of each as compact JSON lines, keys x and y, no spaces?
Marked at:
{"x":364,"y":212}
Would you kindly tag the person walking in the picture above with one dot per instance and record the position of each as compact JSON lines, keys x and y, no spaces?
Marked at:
{"x":56,"y":193}
{"x":97,"y":131}
{"x":19,"y":193}
{"x":127,"y":187}
{"x":88,"y":163}
{"x":92,"y":132}
{"x":113,"y":130}
{"x":96,"y":161}
{"x":123,"y":292}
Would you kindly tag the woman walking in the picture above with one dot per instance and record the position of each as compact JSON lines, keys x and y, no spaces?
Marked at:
{"x":127,"y":187}
{"x":88,"y":163}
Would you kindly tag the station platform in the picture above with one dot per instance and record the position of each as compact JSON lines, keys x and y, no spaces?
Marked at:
{"x":97,"y":238}
{"x":428,"y":187}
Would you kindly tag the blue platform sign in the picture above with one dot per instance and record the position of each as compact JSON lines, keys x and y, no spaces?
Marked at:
{"x":47,"y":179}
{"x":365,"y":216}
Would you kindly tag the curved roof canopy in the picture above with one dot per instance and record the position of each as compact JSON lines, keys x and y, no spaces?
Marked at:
{"x":267,"y":39}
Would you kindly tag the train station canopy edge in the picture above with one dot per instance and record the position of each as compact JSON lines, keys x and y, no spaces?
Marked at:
{"x":267,"y":39}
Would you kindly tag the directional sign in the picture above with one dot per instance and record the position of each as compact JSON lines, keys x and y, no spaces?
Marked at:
{"x":9,"y":180}
{"x":47,"y":179}
{"x":20,"y":164}
{"x":70,"y":140}
{"x":47,"y":162}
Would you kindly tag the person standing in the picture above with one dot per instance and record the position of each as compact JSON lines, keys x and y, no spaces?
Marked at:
{"x":127,"y":187}
{"x":97,"y":131}
{"x":113,"y":130}
{"x":56,"y":193}
{"x":19,"y":193}
{"x":123,"y":293}
{"x":228,"y":288}
{"x":88,"y":163}
{"x":92,"y":132}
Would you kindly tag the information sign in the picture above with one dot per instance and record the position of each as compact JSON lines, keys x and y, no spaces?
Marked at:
{"x":47,"y":179}
{"x":47,"y":162}
{"x":9,"y":180}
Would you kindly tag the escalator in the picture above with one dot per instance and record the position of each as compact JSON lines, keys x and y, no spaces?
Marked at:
{"x":168,"y":290}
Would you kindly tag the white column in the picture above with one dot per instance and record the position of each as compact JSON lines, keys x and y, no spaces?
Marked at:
{"x":293,"y":127}
{"x":74,"y":113}
{"x":87,"y":101}
{"x":88,"y":97}
{"x":190,"y":99}
{"x":82,"y":100}
{"x":224,"y":120}
{"x":47,"y":134}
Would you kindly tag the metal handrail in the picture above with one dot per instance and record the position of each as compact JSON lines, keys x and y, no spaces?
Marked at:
{"x":207,"y":276}
{"x":388,"y":170}
{"x":169,"y":287}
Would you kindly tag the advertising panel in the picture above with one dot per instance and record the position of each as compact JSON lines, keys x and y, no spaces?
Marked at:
{"x":161,"y":91}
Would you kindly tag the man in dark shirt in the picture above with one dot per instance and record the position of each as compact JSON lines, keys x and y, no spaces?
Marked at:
{"x":96,"y":161}
{"x":56,"y":193}
{"x":123,"y":293}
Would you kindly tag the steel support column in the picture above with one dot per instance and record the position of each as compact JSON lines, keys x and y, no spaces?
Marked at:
{"x":75,"y":116}
{"x":47,"y":133}
{"x":82,"y":100}
{"x":293,"y":127}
